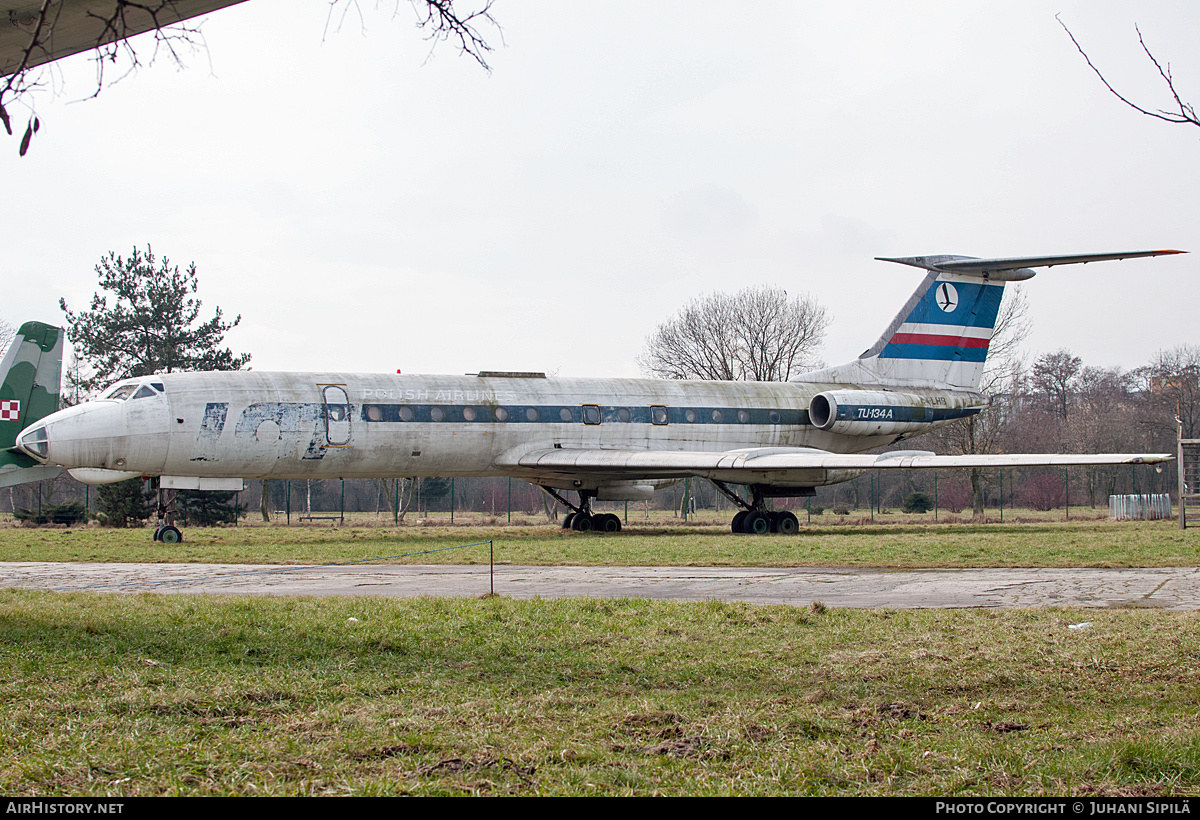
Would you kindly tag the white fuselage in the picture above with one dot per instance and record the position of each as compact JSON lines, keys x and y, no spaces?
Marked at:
{"x":257,"y":425}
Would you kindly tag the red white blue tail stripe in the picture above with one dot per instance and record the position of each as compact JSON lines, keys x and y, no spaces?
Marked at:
{"x":953,"y":321}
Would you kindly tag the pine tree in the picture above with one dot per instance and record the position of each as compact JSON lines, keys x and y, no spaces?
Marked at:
{"x":124,"y":503}
{"x":206,"y":508}
{"x":152,"y":325}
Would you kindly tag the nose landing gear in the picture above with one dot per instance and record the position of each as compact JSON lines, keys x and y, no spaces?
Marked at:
{"x":166,"y":531}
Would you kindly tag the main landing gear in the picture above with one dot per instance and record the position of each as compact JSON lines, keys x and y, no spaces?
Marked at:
{"x":754,"y":518}
{"x":166,"y":531}
{"x":581,"y":518}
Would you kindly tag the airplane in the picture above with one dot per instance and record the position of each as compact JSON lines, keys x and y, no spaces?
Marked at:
{"x":604,"y":439}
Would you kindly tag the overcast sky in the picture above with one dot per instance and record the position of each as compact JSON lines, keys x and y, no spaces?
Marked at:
{"x":368,"y":206}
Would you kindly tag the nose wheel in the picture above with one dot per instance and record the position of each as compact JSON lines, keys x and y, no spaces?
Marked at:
{"x":168,"y":535}
{"x":166,"y":531}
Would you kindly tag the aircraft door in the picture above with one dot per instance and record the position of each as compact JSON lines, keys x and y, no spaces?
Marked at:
{"x":336,"y":410}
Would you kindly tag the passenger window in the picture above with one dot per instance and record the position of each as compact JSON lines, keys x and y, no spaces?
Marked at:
{"x":374,"y":413}
{"x":623,"y":414}
{"x":743,"y":416}
{"x":690,"y":415}
{"x":565,"y":413}
{"x":437,"y":413}
{"x":501,"y":414}
{"x":406,"y":413}
{"x":658,"y":414}
{"x":591,"y":414}
{"x":718,"y":416}
{"x":468,"y":414}
{"x":774,"y":417}
{"x":531,"y":414}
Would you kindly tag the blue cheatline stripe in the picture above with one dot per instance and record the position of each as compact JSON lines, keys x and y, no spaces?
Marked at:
{"x":978,"y":306}
{"x":575,"y":414}
{"x":942,"y":353}
{"x":893,"y":412}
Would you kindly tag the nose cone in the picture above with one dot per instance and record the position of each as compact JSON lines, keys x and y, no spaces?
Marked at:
{"x":88,"y":435}
{"x":32,"y":441}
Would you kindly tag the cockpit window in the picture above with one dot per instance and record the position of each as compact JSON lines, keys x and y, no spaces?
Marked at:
{"x":34,"y":442}
{"x":121,"y":392}
{"x":133,"y":390}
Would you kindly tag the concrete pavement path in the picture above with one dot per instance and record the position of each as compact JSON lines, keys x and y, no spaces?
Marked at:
{"x":1166,"y":588}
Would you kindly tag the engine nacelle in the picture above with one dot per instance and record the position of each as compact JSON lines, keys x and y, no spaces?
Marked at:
{"x":878,"y":412}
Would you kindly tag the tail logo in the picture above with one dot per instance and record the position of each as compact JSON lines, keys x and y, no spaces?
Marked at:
{"x":947,"y":297}
{"x":10,"y":410}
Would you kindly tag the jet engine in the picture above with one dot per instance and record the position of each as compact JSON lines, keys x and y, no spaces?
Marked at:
{"x":881,"y":412}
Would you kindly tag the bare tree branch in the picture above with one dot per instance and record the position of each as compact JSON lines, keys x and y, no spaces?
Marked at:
{"x":1185,"y":114}
{"x":42,"y":34}
{"x":116,"y":28}
{"x":442,"y":23}
{"x":757,"y":334}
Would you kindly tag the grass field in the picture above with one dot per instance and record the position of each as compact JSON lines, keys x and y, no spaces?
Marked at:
{"x":132,"y":695}
{"x":147,"y":694}
{"x":903,"y":544}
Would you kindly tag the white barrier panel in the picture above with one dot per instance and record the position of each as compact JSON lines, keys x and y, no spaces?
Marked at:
{"x":1139,"y":507}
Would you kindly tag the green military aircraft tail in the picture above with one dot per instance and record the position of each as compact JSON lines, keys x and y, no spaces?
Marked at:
{"x":31,"y":372}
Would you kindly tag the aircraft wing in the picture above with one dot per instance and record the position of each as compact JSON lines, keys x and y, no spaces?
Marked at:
{"x":71,"y":26}
{"x":758,"y":464}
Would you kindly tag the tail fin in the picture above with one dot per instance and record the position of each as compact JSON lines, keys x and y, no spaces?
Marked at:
{"x":31,"y":372}
{"x":940,"y":337}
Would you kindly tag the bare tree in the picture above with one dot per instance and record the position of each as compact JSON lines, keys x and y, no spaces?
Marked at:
{"x":757,"y":334}
{"x":401,"y":491}
{"x":1054,"y":375}
{"x":1170,"y":386}
{"x":1101,"y":421}
{"x":1181,"y":114}
{"x":47,"y":30}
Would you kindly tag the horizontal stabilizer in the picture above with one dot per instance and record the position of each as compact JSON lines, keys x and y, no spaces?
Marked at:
{"x":966,"y":264}
{"x":12,"y":475}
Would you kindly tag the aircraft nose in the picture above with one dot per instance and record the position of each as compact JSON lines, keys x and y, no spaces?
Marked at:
{"x":35,"y":442}
{"x":74,"y":437}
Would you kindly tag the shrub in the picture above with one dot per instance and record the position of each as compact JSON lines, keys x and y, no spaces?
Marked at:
{"x":72,"y":512}
{"x":955,"y":496}
{"x":1044,"y":492}
{"x":918,"y":502}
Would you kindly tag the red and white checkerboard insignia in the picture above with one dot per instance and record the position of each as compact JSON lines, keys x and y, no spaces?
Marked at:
{"x":10,"y":410}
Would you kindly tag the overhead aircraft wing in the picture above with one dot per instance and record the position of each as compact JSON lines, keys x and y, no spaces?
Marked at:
{"x":48,"y":31}
{"x":759,"y":463}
